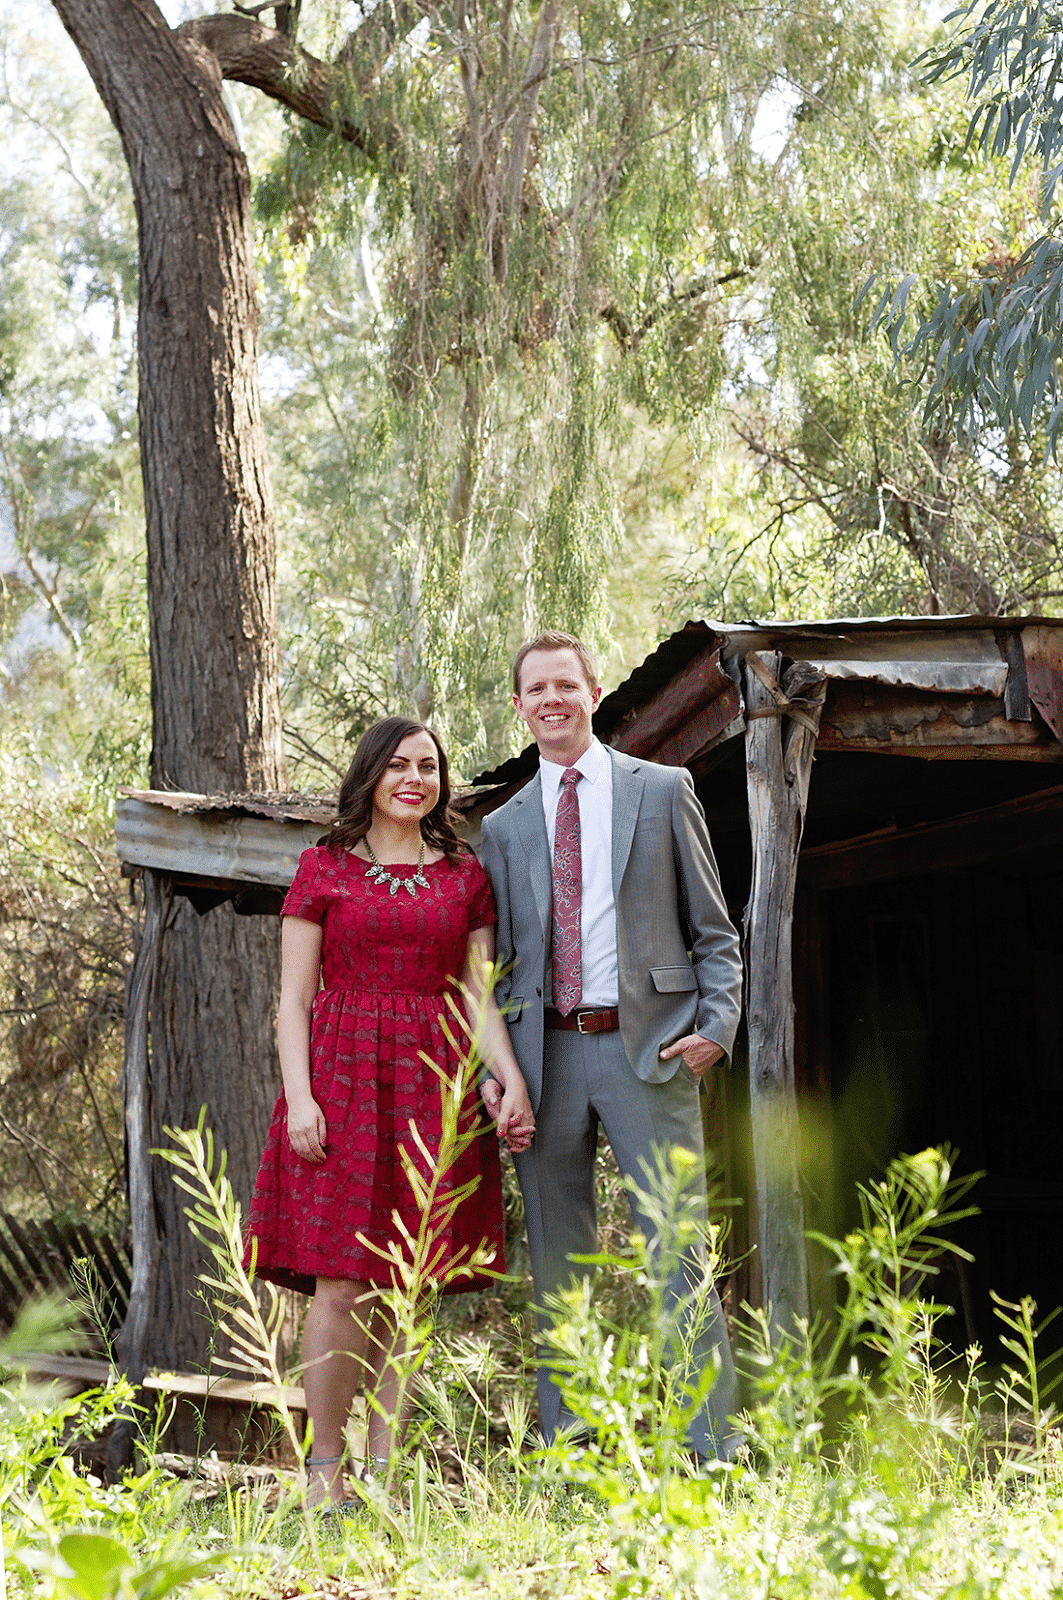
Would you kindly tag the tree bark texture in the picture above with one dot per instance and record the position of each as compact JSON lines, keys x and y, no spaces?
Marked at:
{"x":211,"y":585}
{"x":209,"y":518}
{"x":778,"y":767}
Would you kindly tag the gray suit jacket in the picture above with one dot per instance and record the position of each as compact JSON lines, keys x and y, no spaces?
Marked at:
{"x":679,"y":957}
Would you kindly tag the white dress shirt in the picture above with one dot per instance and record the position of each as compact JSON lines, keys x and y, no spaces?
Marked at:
{"x":594,"y":792}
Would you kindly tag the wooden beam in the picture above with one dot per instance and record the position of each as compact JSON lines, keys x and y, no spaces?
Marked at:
{"x":143,"y":976}
{"x":778,"y":766}
{"x":1027,"y":828}
{"x":77,"y":1373}
{"x":1047,"y":754}
{"x":243,"y":1391}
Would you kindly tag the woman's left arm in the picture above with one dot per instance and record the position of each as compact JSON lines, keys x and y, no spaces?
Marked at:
{"x":516,"y":1122}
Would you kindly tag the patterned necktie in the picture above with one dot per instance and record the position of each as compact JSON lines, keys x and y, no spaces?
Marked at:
{"x":568,"y":890}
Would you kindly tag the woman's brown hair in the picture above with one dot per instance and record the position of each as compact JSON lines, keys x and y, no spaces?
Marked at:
{"x":355,"y":806}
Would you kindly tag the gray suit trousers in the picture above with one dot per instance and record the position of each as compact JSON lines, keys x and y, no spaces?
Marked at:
{"x":587,"y":1081}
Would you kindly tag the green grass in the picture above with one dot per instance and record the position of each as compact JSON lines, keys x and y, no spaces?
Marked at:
{"x":877,"y":1466}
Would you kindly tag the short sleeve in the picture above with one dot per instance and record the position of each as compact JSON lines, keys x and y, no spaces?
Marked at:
{"x":482,"y":912}
{"x":307,"y":898}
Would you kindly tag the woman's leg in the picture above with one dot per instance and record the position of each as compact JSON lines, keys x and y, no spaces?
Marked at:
{"x":333,"y":1358}
{"x":389,"y":1392}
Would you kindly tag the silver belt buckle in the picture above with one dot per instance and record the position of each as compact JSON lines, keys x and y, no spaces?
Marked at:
{"x":579,"y":1022}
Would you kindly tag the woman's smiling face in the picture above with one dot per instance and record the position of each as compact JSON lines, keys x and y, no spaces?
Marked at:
{"x":409,"y":787}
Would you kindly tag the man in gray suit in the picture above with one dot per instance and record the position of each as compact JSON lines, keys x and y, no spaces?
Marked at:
{"x":622,"y":983}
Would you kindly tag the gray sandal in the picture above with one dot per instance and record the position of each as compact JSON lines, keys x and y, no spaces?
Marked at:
{"x":330,"y":1508}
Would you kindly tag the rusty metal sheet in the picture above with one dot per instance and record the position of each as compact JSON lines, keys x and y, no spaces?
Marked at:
{"x":1045,"y":684}
{"x":693,"y":643}
{"x":867,"y":717}
{"x":868,"y":639}
{"x":988,"y":677}
{"x":702,"y":693}
{"x":916,"y":647}
{"x":867,"y":629}
{"x":716,"y":723}
{"x":1042,"y":640}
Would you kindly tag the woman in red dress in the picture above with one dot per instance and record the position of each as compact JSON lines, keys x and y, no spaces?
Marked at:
{"x":381,"y":923}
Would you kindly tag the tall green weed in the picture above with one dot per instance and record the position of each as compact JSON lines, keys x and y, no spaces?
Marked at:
{"x":867,"y":1472}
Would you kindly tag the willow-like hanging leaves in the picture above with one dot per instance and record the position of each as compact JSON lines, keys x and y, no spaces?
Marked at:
{"x":561,"y":202}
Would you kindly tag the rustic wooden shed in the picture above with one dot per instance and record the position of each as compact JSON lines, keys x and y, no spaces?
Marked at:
{"x":886,"y":801}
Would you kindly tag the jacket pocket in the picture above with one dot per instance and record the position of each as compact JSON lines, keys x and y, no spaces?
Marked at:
{"x":673,"y":980}
{"x":513,"y":1009}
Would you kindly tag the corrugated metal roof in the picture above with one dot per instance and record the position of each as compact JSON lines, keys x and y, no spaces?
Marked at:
{"x":954,"y":622}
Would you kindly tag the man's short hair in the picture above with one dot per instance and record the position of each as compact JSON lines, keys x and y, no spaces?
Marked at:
{"x":554,"y":639}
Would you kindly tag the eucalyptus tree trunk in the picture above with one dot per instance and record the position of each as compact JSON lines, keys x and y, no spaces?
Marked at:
{"x":211,"y":586}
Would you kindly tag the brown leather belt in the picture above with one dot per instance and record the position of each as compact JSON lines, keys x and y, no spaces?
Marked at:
{"x":597,"y":1021}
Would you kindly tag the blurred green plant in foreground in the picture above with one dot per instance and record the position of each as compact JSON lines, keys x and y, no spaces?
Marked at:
{"x":876,"y":1464}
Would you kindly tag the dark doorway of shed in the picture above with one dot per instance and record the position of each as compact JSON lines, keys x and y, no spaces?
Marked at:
{"x":940,"y":1021}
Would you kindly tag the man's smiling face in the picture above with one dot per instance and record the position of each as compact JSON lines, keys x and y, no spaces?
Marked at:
{"x":556,"y":702}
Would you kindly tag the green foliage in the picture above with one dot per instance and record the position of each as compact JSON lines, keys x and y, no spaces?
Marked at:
{"x":495,"y":380}
{"x":870,"y":506}
{"x":1010,"y":55}
{"x":988,"y":345}
{"x":633,"y":1385}
{"x":74,"y":717}
{"x":65,"y":1533}
{"x":1028,"y":1382}
{"x":865,"y":1474}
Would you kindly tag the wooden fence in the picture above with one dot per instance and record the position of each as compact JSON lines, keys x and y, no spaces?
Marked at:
{"x":66,"y":1258}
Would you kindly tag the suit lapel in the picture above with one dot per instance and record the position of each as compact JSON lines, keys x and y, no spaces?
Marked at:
{"x":627,"y":797}
{"x":531,"y":825}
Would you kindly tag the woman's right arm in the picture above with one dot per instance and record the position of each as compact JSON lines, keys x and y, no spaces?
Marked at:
{"x":300,"y":978}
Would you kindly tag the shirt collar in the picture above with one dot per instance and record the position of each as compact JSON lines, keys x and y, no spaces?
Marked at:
{"x":591,"y":765}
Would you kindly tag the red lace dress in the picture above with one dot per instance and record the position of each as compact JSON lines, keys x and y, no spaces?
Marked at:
{"x":386,"y":965}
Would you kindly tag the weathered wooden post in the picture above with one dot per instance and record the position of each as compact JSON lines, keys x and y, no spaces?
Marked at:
{"x":143,"y":975}
{"x":778,"y":766}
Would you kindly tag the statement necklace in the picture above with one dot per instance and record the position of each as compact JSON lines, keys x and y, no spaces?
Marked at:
{"x":382,"y":875}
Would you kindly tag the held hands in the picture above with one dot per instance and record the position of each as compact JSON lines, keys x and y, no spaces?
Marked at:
{"x":306,"y":1130}
{"x":510,"y":1109}
{"x":699,"y":1053}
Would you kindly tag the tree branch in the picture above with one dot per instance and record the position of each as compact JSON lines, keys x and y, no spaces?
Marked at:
{"x":629,"y":337}
{"x":247,"y":52}
{"x":368,"y":49}
{"x":538,"y":66}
